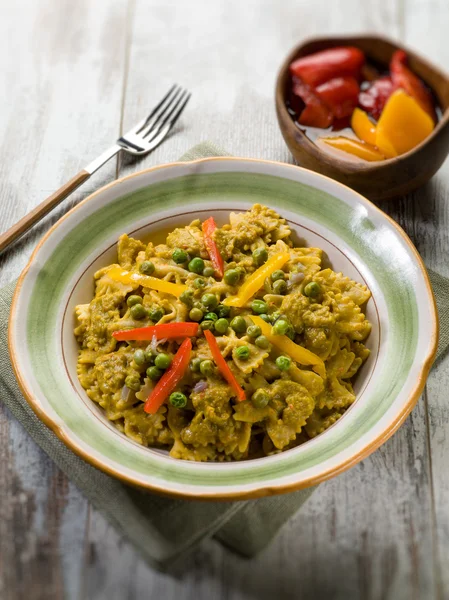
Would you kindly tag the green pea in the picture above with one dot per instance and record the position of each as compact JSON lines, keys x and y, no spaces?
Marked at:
{"x":187,"y":297}
{"x":223,"y":311}
{"x":162,"y":361}
{"x":259,"y":307}
{"x":133,"y":383}
{"x":154,"y":373}
{"x":195,"y":364}
{"x":231,"y":276}
{"x":276,"y":315}
{"x":280,"y":327}
{"x":199,"y":283}
{"x":209,"y":301}
{"x":139,"y":357}
{"x":280,"y":286}
{"x":254,"y":331}
{"x":238,"y":324}
{"x":210,"y":316}
{"x":147,"y":267}
{"x":221,"y":326}
{"x":156,"y":313}
{"x":138,"y":312}
{"x":196,"y":265}
{"x":262,"y":342}
{"x":277,"y":275}
{"x":312,"y":289}
{"x":265,"y":317}
{"x":242,"y":352}
{"x":209,"y":272}
{"x":206,"y":367}
{"x":178,"y":399}
{"x":180,"y":256}
{"x":260,"y":256}
{"x":283,"y":363}
{"x":196,"y":314}
{"x":149,"y":356}
{"x":260,"y":398}
{"x":207,"y":324}
{"x":132,"y":300}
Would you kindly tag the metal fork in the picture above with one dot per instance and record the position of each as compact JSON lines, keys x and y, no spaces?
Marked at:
{"x":139,"y":140}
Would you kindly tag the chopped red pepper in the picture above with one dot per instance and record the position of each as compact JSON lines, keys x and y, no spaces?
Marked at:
{"x":209,"y":226}
{"x":170,"y":379}
{"x":223,"y":365}
{"x":340,"y":94}
{"x":404,"y":78}
{"x":162,"y":331}
{"x":375,"y":97}
{"x":319,"y":67}
{"x":315,"y":112}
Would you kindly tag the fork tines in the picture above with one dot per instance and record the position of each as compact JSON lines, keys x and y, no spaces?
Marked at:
{"x":166,"y":112}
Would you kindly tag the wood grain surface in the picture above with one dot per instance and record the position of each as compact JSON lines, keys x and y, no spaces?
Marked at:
{"x":74,"y":75}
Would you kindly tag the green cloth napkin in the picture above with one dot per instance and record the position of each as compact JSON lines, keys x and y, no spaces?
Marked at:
{"x":162,"y":528}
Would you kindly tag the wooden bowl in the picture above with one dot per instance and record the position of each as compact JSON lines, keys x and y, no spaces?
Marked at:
{"x":376,"y":180}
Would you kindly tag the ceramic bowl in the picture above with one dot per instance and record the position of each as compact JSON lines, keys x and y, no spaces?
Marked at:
{"x":376,"y":180}
{"x":358,"y":239}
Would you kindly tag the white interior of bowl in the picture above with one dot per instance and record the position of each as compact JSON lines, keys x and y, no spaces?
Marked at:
{"x":305,"y":234}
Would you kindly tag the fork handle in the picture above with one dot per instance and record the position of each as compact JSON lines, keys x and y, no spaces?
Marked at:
{"x":14,"y":232}
{"x":17,"y":230}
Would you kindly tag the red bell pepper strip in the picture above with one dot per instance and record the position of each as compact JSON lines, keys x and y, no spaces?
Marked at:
{"x":321,"y":66}
{"x":209,"y":227}
{"x":162,"y":331}
{"x":223,"y":365}
{"x":404,"y":78}
{"x":340,"y":94}
{"x":315,"y":112}
{"x":170,"y":379}
{"x":374,"y":98}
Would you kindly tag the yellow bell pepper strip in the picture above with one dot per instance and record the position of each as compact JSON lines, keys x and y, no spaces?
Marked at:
{"x":123,"y":276}
{"x":359,"y":149}
{"x":363,"y":127}
{"x":387,"y":146}
{"x":256,"y":280}
{"x":170,"y":379}
{"x":403,"y":124}
{"x":285,"y":344}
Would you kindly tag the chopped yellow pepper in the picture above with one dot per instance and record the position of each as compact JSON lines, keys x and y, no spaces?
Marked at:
{"x":360,"y":149}
{"x":285,"y":344}
{"x":403,"y":124}
{"x":363,"y":127}
{"x":118,"y":274}
{"x":387,"y":147}
{"x":256,"y":280}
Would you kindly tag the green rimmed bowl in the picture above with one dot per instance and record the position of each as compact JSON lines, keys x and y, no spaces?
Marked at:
{"x":359,"y":240}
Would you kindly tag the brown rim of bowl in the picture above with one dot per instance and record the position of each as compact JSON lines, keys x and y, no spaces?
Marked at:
{"x":263,"y":490}
{"x":311,"y":146}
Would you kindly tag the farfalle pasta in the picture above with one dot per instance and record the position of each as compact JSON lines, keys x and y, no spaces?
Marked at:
{"x":223,"y":343}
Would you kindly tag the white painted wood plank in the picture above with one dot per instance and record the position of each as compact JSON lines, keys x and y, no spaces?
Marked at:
{"x":228,"y":53}
{"x":427,"y":23}
{"x":61,"y":74}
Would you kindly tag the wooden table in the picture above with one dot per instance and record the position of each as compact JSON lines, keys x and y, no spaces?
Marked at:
{"x":73,"y":75}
